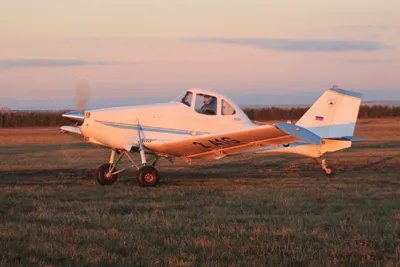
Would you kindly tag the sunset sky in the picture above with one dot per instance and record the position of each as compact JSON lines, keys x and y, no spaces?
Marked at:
{"x":255,"y":51}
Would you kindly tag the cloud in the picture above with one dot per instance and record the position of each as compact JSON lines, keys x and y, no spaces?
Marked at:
{"x":371,"y":27}
{"x":368,"y":31}
{"x":366,"y":60}
{"x":57,"y":63}
{"x":299,"y":45}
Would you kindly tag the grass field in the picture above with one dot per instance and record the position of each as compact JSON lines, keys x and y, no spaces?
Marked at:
{"x":276,"y":210}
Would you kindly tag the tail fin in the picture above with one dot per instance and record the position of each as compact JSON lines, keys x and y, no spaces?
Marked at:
{"x":333,"y":115}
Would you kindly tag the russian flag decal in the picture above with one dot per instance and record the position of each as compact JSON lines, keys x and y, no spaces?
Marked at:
{"x":319,"y":118}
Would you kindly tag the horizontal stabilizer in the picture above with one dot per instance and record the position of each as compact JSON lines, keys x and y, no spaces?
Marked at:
{"x":299,"y":132}
{"x":350,"y":138}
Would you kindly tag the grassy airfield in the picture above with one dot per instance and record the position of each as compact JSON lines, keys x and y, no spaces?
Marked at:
{"x":277,"y":210}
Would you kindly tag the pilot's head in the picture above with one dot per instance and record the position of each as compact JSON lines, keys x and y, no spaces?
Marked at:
{"x":207,"y":99}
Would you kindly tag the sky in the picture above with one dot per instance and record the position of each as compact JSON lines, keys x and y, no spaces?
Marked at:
{"x":256,"y":52}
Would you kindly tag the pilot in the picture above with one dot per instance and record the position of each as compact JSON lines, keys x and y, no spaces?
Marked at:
{"x":207,"y":108}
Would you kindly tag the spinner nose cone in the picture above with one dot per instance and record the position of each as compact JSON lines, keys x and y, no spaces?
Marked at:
{"x":75,"y":116}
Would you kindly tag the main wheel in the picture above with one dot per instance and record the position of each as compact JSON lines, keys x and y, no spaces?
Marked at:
{"x":148,"y":176}
{"x":103,"y":177}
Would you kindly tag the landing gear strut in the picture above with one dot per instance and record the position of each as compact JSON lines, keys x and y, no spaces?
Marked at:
{"x":324,"y":166}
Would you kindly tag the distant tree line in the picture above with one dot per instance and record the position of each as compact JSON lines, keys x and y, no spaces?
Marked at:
{"x":10,"y":119}
{"x":32,"y":119}
{"x":295,"y":113}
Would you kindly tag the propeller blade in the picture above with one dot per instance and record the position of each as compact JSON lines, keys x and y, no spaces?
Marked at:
{"x":83,"y":88}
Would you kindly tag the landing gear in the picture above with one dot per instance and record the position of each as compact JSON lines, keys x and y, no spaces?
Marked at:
{"x":324,"y":166}
{"x":148,"y":176}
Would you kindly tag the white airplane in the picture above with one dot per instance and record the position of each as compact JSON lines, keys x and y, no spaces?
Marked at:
{"x":200,"y":124}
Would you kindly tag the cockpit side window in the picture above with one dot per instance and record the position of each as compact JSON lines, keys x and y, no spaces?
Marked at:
{"x":227,"y":109}
{"x":206,"y":104}
{"x":187,"y":99}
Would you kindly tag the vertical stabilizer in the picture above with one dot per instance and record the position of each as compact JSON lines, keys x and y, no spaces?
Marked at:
{"x":333,"y":115}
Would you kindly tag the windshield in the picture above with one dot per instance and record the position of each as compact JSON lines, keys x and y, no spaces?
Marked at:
{"x":184,"y":98}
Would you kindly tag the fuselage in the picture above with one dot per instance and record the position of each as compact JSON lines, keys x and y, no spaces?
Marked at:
{"x":118,"y":127}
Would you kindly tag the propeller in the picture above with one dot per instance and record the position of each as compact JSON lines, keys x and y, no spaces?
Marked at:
{"x":83,"y":88}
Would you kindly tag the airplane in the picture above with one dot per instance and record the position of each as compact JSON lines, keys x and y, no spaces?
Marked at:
{"x":201,"y":124}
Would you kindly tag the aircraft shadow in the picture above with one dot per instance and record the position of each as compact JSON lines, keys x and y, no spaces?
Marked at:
{"x":238,"y":170}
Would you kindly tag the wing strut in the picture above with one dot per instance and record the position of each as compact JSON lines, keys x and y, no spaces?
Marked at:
{"x":141,"y":150}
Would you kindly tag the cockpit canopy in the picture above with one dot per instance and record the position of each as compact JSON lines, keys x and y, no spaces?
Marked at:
{"x":207,"y":103}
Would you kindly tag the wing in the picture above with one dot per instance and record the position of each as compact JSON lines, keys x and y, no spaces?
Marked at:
{"x":217,"y":145}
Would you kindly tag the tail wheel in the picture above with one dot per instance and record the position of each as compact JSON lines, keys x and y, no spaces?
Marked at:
{"x":103,"y":177}
{"x":329,"y":172}
{"x":148,"y":176}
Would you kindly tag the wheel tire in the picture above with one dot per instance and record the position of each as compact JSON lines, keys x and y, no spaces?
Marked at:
{"x":148,"y":176}
{"x":329,"y":172}
{"x":101,"y":175}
